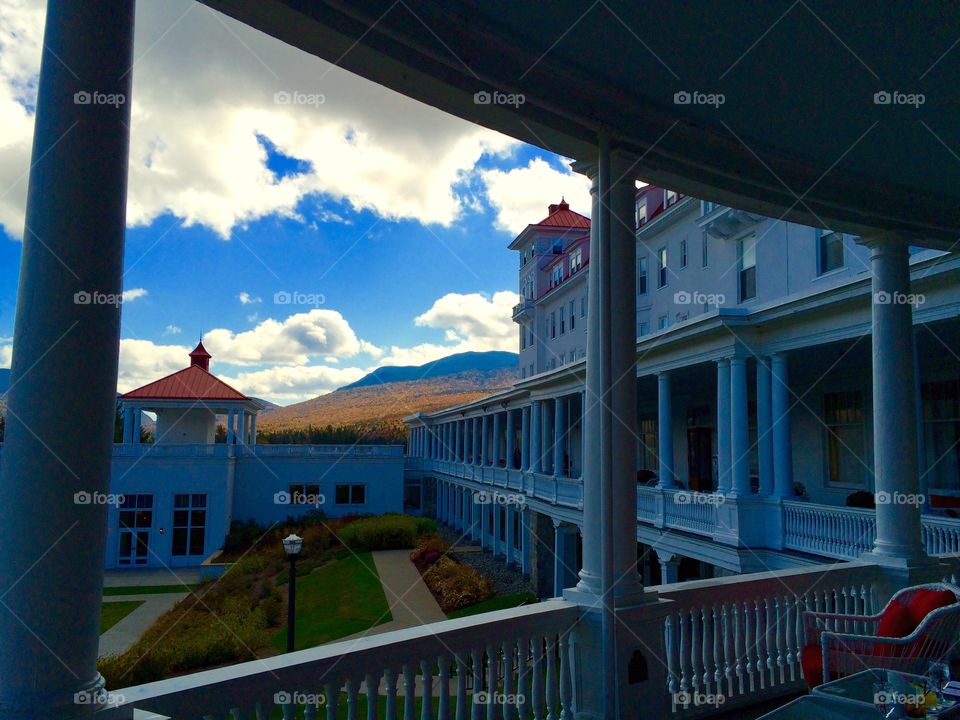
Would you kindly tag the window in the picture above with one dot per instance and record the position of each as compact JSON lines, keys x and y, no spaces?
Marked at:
{"x":189,"y":524}
{"x":531,"y":370}
{"x":663,"y":322}
{"x":563,"y":319}
{"x":516,"y":531}
{"x":647,"y":428}
{"x":941,"y":430}
{"x":556,"y":276}
{"x":670,"y":197}
{"x":136,"y":520}
{"x":573,"y":316}
{"x":412,"y":495}
{"x":523,"y":373}
{"x":662,"y":267}
{"x":829,"y":251}
{"x":747,"y":253}
{"x":641,"y":216}
{"x":523,"y":337}
{"x":843,"y":417}
{"x":576,"y":260}
{"x":643,"y":328}
{"x":683,"y":253}
{"x":642,"y":276}
{"x":351,"y":494}
{"x":553,"y":324}
{"x":705,"y":251}
{"x":583,"y":306}
{"x":707,"y":207}
{"x":304,"y":494}
{"x":530,"y":338}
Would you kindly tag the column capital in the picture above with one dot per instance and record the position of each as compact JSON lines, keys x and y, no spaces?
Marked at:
{"x":885,"y":240}
{"x":722,"y":361}
{"x":590,"y":168}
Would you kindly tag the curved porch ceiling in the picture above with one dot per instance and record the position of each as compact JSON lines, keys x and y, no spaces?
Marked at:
{"x":799,"y":134}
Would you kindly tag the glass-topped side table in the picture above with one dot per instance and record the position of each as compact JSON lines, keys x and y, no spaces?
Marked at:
{"x":858,"y":689}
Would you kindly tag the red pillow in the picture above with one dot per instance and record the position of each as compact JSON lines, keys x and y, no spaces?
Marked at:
{"x":924,"y":602}
{"x":896,"y":622}
{"x":811,"y":662}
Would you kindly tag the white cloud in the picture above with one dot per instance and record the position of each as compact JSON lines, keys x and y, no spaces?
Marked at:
{"x":204,"y":89}
{"x":172,"y":330}
{"x":521,"y":195}
{"x":6,"y":355}
{"x":134,"y":294}
{"x":143,"y":361}
{"x":472,"y":322}
{"x":285,"y":385}
{"x":247,"y":299}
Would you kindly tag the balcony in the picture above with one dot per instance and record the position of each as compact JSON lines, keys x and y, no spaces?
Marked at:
{"x":523,"y":311}
{"x":724,"y":222}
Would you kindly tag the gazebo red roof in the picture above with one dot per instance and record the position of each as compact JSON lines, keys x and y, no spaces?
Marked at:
{"x":192,"y":383}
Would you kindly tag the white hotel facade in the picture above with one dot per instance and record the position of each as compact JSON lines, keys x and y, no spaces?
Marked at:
{"x":753,"y":348}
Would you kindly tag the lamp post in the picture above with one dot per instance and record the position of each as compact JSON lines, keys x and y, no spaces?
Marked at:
{"x":292,"y":544}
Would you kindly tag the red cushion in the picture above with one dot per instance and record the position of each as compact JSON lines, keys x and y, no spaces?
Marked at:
{"x":896,"y":622}
{"x":811,"y":662}
{"x":924,"y":602}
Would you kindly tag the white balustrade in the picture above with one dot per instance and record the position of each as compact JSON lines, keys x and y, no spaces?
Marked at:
{"x":837,"y":532}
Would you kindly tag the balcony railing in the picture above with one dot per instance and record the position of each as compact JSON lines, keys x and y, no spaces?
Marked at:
{"x":223,"y":450}
{"x":169,"y":450}
{"x":365,"y":451}
{"x":521,"y":309}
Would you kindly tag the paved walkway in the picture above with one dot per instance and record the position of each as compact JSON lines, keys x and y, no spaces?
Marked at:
{"x":151,"y":576}
{"x":410,"y":600}
{"x":125,"y":633}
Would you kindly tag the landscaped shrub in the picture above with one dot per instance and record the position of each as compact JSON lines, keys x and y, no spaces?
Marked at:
{"x":456,"y":585}
{"x":429,"y":545}
{"x":386,"y":532}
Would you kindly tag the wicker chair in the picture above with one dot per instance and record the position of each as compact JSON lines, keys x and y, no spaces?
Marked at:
{"x":838,"y":645}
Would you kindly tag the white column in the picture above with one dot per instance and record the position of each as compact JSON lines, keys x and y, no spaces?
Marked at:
{"x":723,"y":425}
{"x":496,"y":530}
{"x":526,"y":520}
{"x":782,"y":448}
{"x":583,"y":430}
{"x":764,"y":428}
{"x":669,"y":568}
{"x":510,"y":536}
{"x":241,"y":422}
{"x":546,"y":438}
{"x":128,"y":425}
{"x":511,"y":439}
{"x":898,"y":537}
{"x":739,"y":427}
{"x":666,"y":475}
{"x":485,"y":440}
{"x":230,"y":413}
{"x":559,"y":435}
{"x":495,"y":442}
{"x":525,"y":439}
{"x":136,"y":426}
{"x":560,"y":555}
{"x":457,"y":441}
{"x":64,"y":365}
{"x":476,"y":440}
{"x":253,"y":429}
{"x":536,"y":457}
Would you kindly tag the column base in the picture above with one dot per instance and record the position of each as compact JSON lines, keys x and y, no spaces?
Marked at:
{"x":591,"y":600}
{"x":84,"y":700}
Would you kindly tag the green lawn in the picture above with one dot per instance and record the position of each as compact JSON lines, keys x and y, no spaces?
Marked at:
{"x":147,"y":589}
{"x":499,"y":602}
{"x":113,"y":612}
{"x":339,"y":599}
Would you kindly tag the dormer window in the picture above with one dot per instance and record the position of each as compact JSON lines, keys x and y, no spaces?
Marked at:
{"x":576,"y":260}
{"x":670,"y":197}
{"x":641,"y":211}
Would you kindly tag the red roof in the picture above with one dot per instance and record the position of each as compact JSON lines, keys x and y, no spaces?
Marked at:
{"x":562,"y":216}
{"x":192,"y":383}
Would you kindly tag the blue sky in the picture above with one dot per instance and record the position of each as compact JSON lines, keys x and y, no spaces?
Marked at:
{"x":389,"y":219}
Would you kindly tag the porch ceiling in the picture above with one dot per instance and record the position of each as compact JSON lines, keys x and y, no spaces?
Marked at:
{"x":798,"y":134}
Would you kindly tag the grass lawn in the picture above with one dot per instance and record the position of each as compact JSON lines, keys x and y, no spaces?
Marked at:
{"x":147,"y":589}
{"x":113,"y":612}
{"x":339,"y":599}
{"x":499,"y":602}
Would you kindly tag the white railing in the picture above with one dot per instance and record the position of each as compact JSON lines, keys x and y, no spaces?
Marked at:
{"x":740,"y":638}
{"x":647,"y":511}
{"x":328,"y":450}
{"x":940,"y":535}
{"x":691,"y":511}
{"x":169,"y":450}
{"x":517,"y":659}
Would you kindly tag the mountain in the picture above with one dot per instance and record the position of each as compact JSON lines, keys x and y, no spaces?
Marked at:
{"x":450,"y":365}
{"x":379,"y":399}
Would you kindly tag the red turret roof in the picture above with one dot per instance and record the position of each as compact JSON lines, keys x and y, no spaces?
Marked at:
{"x":562,"y":216}
{"x":192,"y":383}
